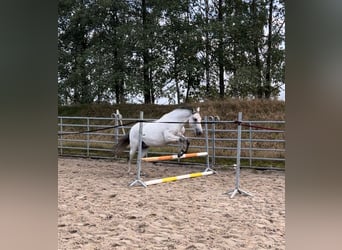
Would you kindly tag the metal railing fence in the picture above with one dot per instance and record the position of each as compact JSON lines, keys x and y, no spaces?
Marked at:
{"x":260,"y":146}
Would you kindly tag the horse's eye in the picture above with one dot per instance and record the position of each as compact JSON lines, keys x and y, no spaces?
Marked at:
{"x":195,"y":119}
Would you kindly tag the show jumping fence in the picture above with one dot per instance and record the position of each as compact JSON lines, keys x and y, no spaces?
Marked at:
{"x":172,"y":157}
{"x":262,"y":142}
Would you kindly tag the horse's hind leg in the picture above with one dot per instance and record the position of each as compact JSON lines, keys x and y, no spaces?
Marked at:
{"x":132,"y":150}
{"x":132,"y":153}
{"x":144,"y":149}
{"x":129,"y":161}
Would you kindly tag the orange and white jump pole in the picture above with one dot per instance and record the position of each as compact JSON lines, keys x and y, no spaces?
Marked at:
{"x":173,"y":157}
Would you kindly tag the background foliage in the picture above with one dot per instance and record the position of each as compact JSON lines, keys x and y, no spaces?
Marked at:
{"x":126,"y":51}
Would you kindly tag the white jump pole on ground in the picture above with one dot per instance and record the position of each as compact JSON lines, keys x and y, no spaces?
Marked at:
{"x":138,"y":179}
{"x":237,"y":168}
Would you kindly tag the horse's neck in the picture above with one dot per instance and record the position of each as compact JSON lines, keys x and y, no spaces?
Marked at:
{"x":176,"y":116}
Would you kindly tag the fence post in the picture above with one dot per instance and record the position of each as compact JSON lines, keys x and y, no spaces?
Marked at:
{"x":61,"y":131}
{"x":207,"y":145}
{"x":116,"y":129}
{"x":120,"y":120}
{"x":213,"y":131}
{"x":138,"y":179}
{"x":250,"y":144}
{"x":237,"y":165}
{"x":238,"y":152}
{"x":213,"y":142}
{"x":212,"y":120}
{"x":88,"y":128}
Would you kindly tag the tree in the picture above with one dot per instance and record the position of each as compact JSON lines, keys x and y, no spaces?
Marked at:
{"x":220,"y":49}
{"x":141,"y":50}
{"x":74,"y":42}
{"x":275,"y":58}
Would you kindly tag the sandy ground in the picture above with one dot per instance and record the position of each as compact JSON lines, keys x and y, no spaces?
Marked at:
{"x":98,"y":210}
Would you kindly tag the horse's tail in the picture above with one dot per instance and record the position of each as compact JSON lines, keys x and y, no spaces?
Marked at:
{"x":122,"y":144}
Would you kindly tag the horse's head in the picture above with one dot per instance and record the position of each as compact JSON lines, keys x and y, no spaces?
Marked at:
{"x":195,"y":122}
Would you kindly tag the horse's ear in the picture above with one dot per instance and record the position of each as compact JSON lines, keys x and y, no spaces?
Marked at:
{"x":196,"y":110}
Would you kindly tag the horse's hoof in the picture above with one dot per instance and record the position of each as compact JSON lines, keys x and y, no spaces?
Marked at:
{"x":180,"y":153}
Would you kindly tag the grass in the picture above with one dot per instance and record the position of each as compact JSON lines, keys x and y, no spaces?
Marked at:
{"x":228,"y":109}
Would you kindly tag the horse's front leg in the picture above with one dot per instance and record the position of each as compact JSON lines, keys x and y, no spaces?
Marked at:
{"x":170,"y":137}
{"x":185,"y":145}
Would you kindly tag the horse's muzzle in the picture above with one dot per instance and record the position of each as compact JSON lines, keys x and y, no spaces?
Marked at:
{"x":199,"y":132}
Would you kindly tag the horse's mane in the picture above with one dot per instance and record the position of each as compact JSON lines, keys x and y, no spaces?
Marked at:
{"x":175,"y":112}
{"x":183,"y":108}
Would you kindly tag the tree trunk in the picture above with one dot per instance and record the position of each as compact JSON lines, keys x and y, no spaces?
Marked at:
{"x":86,"y":93}
{"x":189,"y":83}
{"x":146,"y":78}
{"x":260,"y":87}
{"x":152,"y":98}
{"x":220,"y":50}
{"x":119,"y":91}
{"x":258,"y":65}
{"x":175,"y":67}
{"x":207,"y":49}
{"x":269,"y":53}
